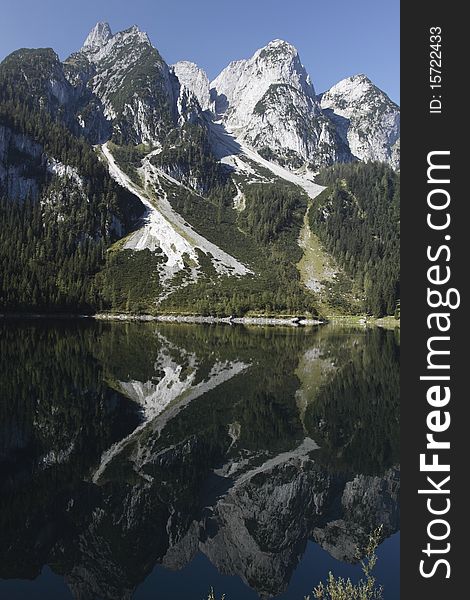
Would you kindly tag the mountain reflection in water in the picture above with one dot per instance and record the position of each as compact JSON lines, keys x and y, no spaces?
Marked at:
{"x":125,"y":446}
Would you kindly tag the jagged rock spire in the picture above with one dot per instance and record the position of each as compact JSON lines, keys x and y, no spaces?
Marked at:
{"x":98,"y":36}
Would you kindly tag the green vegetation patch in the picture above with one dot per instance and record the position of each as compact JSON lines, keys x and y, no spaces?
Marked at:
{"x":130,"y":282}
{"x":263,"y":237}
{"x":357,"y":218}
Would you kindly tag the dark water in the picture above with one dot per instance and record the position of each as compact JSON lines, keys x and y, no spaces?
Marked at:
{"x":143,"y":461}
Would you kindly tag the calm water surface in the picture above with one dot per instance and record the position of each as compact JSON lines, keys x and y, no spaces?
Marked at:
{"x":152,"y":462}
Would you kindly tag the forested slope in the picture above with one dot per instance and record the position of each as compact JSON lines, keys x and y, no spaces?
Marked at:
{"x":358,"y":219}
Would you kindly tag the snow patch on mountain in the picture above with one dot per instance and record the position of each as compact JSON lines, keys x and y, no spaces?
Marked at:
{"x":305,"y":182}
{"x":165,"y":229}
{"x":235,"y":152}
{"x":224,"y":263}
{"x":157,"y":232}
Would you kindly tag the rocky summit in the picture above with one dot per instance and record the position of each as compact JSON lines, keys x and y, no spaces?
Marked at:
{"x":366,"y":119}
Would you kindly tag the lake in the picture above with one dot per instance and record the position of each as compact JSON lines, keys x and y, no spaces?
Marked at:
{"x":155,"y":461}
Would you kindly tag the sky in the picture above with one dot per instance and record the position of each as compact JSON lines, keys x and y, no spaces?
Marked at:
{"x":335,"y":38}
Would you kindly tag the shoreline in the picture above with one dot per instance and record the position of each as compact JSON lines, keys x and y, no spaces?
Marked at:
{"x":385,"y":322}
{"x":197,"y":319}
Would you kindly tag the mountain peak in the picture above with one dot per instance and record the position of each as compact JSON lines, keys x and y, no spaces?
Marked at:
{"x":282,"y":44}
{"x":366,"y":117}
{"x":188,"y":65}
{"x":98,"y":36}
{"x":353,"y":88}
{"x":278,"y":49}
{"x":284,"y":57}
{"x":135,"y":31}
{"x":360,"y":77}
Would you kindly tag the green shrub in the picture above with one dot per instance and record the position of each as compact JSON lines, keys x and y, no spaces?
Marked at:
{"x":344,"y":589}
